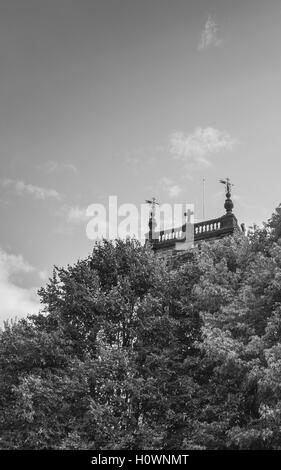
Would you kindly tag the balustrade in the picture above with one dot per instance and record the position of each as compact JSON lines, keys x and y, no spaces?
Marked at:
{"x":178,"y":233}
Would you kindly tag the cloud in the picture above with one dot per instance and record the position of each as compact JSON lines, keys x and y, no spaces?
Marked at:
{"x":16,"y":301}
{"x":209,"y":35}
{"x":70,"y":218}
{"x":173,"y":189}
{"x":76,"y":215}
{"x":14,"y":263}
{"x":52,"y":166}
{"x":21,"y":188}
{"x":199,"y":145}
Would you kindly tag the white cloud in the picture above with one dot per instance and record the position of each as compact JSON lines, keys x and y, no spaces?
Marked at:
{"x":52,"y":166}
{"x":200,"y":144}
{"x":173,"y":189}
{"x":209,"y":35}
{"x":70,"y":218}
{"x":20,"y":188}
{"x":76,"y":214}
{"x":14,"y":263}
{"x":16,"y":301}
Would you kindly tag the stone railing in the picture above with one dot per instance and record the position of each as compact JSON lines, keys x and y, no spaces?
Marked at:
{"x":206,"y":228}
{"x":169,"y":234}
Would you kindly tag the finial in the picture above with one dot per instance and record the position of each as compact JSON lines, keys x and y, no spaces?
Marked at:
{"x":152,"y":220}
{"x":228,"y":205}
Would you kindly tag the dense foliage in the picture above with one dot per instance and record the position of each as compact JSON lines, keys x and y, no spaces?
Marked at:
{"x":131,"y":352}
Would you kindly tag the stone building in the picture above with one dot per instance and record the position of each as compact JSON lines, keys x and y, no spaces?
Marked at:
{"x":178,"y":239}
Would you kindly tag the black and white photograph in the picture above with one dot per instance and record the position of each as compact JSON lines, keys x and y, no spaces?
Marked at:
{"x":140,"y":240}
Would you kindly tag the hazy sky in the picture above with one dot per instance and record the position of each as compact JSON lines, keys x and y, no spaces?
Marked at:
{"x":134,"y":98}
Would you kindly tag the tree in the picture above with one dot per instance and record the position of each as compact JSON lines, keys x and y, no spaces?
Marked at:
{"x":90,"y":358}
{"x":131,"y":352}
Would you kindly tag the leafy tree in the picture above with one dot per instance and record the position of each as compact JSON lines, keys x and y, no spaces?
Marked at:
{"x":130,"y":351}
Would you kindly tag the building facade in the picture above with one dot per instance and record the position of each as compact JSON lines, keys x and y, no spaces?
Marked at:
{"x":181,"y":238}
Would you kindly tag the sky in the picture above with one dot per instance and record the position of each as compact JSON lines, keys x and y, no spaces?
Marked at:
{"x":131,"y":98}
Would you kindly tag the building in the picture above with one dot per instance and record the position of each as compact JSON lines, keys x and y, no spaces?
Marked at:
{"x":180,"y":238}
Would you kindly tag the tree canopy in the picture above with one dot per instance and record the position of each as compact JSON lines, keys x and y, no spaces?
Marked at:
{"x":132,"y":352}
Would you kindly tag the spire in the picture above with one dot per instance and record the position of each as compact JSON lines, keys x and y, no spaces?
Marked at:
{"x":228,"y":205}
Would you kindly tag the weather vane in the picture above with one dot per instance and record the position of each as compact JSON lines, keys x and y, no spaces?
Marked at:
{"x":152,"y":203}
{"x":228,"y":186}
{"x":152,"y":221}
